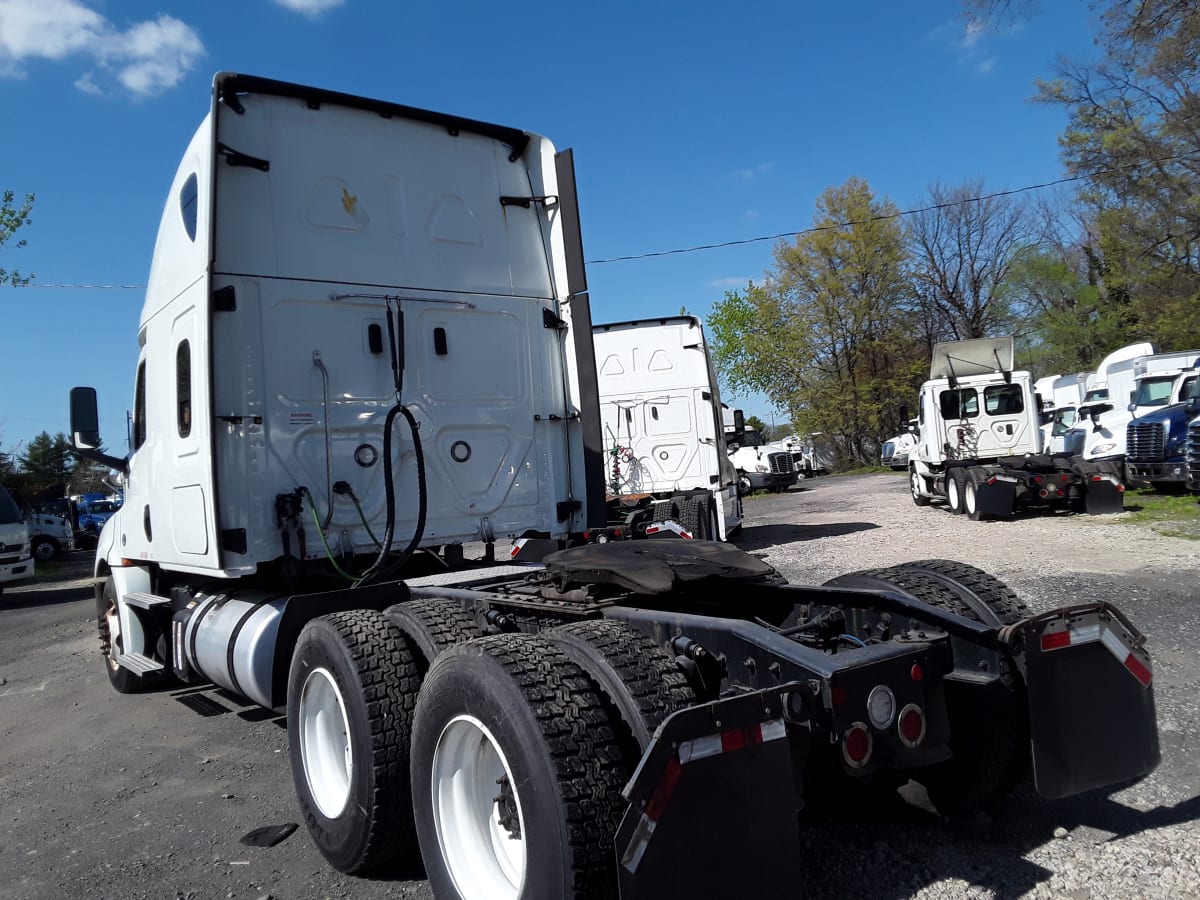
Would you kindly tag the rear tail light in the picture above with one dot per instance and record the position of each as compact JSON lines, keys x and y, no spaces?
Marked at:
{"x":856,"y":745}
{"x":881,"y":706}
{"x":911,"y":725}
{"x":1037,"y":479}
{"x":1042,"y":492}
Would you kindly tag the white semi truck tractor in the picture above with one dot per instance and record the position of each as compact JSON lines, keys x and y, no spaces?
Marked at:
{"x":365,"y":342}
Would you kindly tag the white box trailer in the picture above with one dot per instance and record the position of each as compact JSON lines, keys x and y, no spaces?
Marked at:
{"x":660,"y":414}
{"x":328,"y":265}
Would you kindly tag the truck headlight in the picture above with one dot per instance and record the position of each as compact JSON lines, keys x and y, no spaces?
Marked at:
{"x":759,"y":467}
{"x":1101,"y":449}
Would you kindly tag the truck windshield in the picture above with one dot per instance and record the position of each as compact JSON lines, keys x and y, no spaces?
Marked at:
{"x":9,"y":513}
{"x":1154,"y":391}
{"x":751,"y":438}
{"x":1097,"y":395}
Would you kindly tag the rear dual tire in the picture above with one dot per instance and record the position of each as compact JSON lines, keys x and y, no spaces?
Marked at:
{"x":517,"y":770}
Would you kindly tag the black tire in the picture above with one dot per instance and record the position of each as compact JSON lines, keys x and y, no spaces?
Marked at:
{"x":916,"y":482}
{"x":44,"y":549}
{"x":123,"y":680}
{"x":432,"y":625}
{"x":556,"y":742}
{"x":955,"y":481}
{"x":640,"y":678}
{"x":1004,"y":607}
{"x":990,"y":739}
{"x":970,"y":495}
{"x":363,"y":654}
{"x":693,"y":516}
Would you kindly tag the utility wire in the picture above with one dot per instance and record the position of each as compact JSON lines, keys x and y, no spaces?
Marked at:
{"x":770,"y":237}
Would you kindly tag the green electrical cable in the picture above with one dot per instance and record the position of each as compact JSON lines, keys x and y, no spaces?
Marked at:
{"x":312,"y":504}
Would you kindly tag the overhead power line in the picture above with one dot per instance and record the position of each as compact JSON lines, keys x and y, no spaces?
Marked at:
{"x":833,"y":226}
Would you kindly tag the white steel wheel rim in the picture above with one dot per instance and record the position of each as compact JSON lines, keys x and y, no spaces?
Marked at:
{"x":952,"y":493}
{"x":325,"y":746}
{"x":484,"y":860}
{"x":113,"y":621}
{"x":914,"y":482}
{"x":969,"y":498}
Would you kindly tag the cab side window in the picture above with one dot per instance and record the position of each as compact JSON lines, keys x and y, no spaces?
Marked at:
{"x":139,"y":407}
{"x":1003,"y":400}
{"x":183,"y":388}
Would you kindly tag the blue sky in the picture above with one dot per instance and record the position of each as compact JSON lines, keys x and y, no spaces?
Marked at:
{"x":692,"y":123}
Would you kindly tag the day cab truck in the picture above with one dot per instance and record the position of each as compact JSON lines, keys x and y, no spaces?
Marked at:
{"x":664,"y":444}
{"x":980,"y":445}
{"x":1127,"y":386}
{"x":16,"y":561}
{"x":1156,"y":441}
{"x":365,"y":342}
{"x":760,"y":465}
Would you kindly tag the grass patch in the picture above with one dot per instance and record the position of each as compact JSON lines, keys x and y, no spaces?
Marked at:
{"x":1174,"y":515}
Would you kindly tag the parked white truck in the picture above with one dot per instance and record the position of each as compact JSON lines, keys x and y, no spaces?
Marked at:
{"x":1116,"y":396}
{"x":636,"y":718}
{"x":760,"y":464}
{"x":16,"y":562}
{"x":980,"y":446}
{"x":660,"y":412}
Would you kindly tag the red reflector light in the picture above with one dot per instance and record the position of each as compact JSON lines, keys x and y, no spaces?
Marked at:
{"x":616,"y":532}
{"x":856,"y":745}
{"x":1056,"y":639}
{"x":1120,"y":488}
{"x":1064,"y":477}
{"x":991,"y":480}
{"x":587,"y":535}
{"x":1140,"y":672}
{"x":838,"y":696}
{"x":1096,"y":478}
{"x":911,"y":725}
{"x":916,"y":672}
{"x":1037,"y":479}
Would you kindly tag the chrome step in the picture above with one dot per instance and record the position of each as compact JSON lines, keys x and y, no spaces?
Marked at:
{"x":139,"y":664}
{"x":144,"y":600}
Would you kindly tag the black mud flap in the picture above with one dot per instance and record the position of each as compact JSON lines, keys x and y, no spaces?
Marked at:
{"x":1091,"y":700}
{"x":996,"y":497}
{"x":1103,"y":494}
{"x":713,"y":806}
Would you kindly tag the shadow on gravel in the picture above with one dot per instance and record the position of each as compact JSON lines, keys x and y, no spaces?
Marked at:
{"x":756,"y":537}
{"x":893,"y":850}
{"x":50,"y":595}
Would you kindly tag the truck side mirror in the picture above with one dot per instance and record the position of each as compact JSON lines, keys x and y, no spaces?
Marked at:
{"x":903,"y":414}
{"x":739,"y":421}
{"x":85,"y":420}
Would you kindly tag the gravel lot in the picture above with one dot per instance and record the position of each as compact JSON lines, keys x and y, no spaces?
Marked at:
{"x":103,"y":795}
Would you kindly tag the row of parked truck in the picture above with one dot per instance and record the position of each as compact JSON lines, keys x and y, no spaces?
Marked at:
{"x":367,"y":341}
{"x":989,"y":439}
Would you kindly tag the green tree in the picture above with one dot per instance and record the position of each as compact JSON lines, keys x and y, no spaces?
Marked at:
{"x":827,"y":334}
{"x":13,"y":218}
{"x":1133,"y":134}
{"x":47,"y":463}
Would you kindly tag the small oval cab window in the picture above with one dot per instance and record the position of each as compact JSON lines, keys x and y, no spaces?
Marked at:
{"x":187,"y":206}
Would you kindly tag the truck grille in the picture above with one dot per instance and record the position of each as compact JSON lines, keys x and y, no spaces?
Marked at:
{"x":1145,"y":441}
{"x":780,"y":463}
{"x":1193,"y":455}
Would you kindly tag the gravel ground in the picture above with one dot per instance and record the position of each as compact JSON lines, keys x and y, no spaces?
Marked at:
{"x":103,"y":795}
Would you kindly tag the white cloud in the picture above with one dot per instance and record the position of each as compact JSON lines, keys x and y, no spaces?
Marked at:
{"x":734,"y":282}
{"x":751,"y":214}
{"x":752,"y":172}
{"x":310,"y":7}
{"x":985,"y":66}
{"x":146,"y":59}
